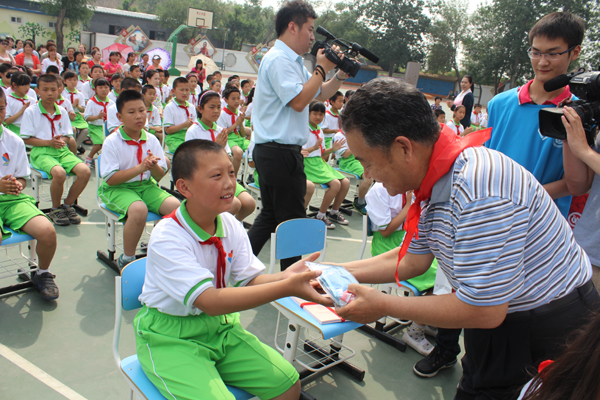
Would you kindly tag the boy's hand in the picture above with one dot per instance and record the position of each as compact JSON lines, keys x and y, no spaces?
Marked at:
{"x":75,"y":102}
{"x":189,"y":122}
{"x":240,"y":119}
{"x":102,"y":115}
{"x":300,"y":266}
{"x":304,"y":153}
{"x":222,"y":137}
{"x":243,"y":109}
{"x":150,"y":161}
{"x":25,"y":105}
{"x":338,"y":144}
{"x":72,"y":115}
{"x":57,"y":142}
{"x":10,"y":185}
{"x":301,"y":286}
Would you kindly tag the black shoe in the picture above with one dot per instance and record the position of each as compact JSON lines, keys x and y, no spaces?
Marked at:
{"x":80,"y":150}
{"x":432,"y":364}
{"x":45,"y":284}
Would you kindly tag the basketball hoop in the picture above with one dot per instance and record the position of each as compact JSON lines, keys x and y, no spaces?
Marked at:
{"x":201,"y":19}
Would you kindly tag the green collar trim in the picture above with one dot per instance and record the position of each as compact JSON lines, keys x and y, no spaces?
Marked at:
{"x":197,"y":230}
{"x":13,"y":95}
{"x":101,"y":101}
{"x":187,"y":104}
{"x":214,"y":125}
{"x":126,"y":136}
{"x":235,"y":112}
{"x":73,"y":92}
{"x":43,"y":110}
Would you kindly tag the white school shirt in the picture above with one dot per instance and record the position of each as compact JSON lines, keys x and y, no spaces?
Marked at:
{"x":194,"y":98}
{"x":46,"y":63}
{"x":331,"y":122}
{"x":112,"y":96}
{"x":167,"y":92}
{"x":31,"y":94}
{"x":175,"y":115}
{"x":13,"y":106}
{"x":162,"y":93}
{"x":14,"y":158}
{"x":66,"y":104}
{"x":225,"y":120}
{"x":223,"y":103}
{"x":452,"y":125}
{"x":382,"y":207}
{"x":199,"y":131}
{"x":92,"y":109}
{"x":179,"y":268}
{"x":251,"y":150}
{"x":80,"y":84}
{"x":120,"y":156}
{"x":340,"y":153}
{"x":6,"y":89}
{"x":76,"y":95}
{"x":87,"y":90}
{"x":112,"y":121}
{"x":153,"y":117}
{"x":35,"y":125}
{"x":312,"y":140}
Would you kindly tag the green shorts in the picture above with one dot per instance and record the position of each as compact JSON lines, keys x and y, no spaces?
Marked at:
{"x":14,"y":129}
{"x":239,"y":189}
{"x":352,"y":165}
{"x":118,"y":198}
{"x":328,"y":141}
{"x":256,"y":179}
{"x":318,"y":171}
{"x":45,"y":158}
{"x":96,"y":133}
{"x":174,"y":140}
{"x":236,"y":140}
{"x":16,"y":211}
{"x":79,"y":122}
{"x":194,"y":357}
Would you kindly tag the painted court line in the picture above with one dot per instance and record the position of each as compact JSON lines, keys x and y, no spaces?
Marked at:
{"x":347,"y":239}
{"x":39,"y":374}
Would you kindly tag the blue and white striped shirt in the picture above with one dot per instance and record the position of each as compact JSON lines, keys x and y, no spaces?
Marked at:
{"x":498,"y":236}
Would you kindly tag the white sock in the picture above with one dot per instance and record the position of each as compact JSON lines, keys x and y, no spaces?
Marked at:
{"x":41,"y":271}
{"x":417,"y":326}
{"x":360,"y":201}
{"x":320,"y":215}
{"x":128,"y":258}
{"x":333,"y":212}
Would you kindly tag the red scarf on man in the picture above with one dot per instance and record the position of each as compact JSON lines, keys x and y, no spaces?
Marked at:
{"x":445,"y":151}
{"x":233,"y":115}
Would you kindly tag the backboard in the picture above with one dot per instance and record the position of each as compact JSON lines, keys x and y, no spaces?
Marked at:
{"x":200,"y":18}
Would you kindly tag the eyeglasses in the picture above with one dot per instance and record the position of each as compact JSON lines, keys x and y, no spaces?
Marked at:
{"x":534,"y":55}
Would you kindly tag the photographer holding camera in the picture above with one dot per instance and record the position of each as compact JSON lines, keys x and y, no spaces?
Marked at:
{"x":283,"y":91}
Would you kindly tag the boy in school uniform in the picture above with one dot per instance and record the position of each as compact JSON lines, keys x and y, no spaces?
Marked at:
{"x":166,"y":89}
{"x":75,"y":97}
{"x":179,"y":114}
{"x":17,"y":101}
{"x":66,"y":104}
{"x":233,"y":120}
{"x":84,"y":77}
{"x":136,"y":73}
{"x":95,"y":114}
{"x":130,"y":158}
{"x":44,"y":125}
{"x":115,"y":82}
{"x":153,"y":123}
{"x":112,"y":120}
{"x":88,"y":88}
{"x":348,"y":163}
{"x":188,"y":335}
{"x":332,"y":122}
{"x":18,"y":210}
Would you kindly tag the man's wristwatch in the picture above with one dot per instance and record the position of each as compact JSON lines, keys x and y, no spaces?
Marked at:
{"x":338,"y":79}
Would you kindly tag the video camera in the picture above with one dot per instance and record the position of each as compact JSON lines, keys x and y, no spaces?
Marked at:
{"x":586,"y":86}
{"x":350,"y":51}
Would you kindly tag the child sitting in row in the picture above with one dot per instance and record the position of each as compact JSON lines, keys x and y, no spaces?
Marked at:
{"x":188,"y":332}
{"x":154,"y":123}
{"x":115,"y":84}
{"x":84,"y":77}
{"x":165,"y":89}
{"x":75,"y":97}
{"x":233,"y":120}
{"x":179,"y":114}
{"x":457,"y":115}
{"x":17,"y":101}
{"x":96,"y":112}
{"x":88,"y":88}
{"x":152,"y":77}
{"x":478,"y":118}
{"x":46,"y":127}
{"x":207,"y":128}
{"x":319,"y":172}
{"x":18,"y":210}
{"x":112,"y":121}
{"x":131,"y":157}
{"x":440,"y":115}
{"x":332,"y":122}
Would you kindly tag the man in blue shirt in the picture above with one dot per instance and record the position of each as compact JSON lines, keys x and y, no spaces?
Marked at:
{"x":280,"y":117}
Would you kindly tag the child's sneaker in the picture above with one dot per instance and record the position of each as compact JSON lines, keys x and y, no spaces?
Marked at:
{"x":46,"y":286}
{"x":59,"y":217}
{"x":89,"y":162}
{"x":431,"y":330}
{"x":328,"y":223}
{"x":72,"y":214}
{"x":361,"y":208}
{"x":415,"y":338}
{"x":337,"y":218}
{"x":121,"y":262}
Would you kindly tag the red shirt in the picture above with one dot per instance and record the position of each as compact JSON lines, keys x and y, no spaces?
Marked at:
{"x":111,"y":68}
{"x":525,"y":98}
{"x":91,"y":63}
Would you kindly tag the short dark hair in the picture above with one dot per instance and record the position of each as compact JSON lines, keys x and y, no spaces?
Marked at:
{"x":438,"y":113}
{"x":228,"y":91}
{"x":20,"y":79}
{"x":84,"y":62}
{"x":185,"y":159}
{"x":477,"y":105}
{"x":101,"y":82}
{"x":437,"y":97}
{"x":208,"y":77}
{"x":127,"y":96}
{"x":244,"y":82}
{"x":217,"y":73}
{"x":317,"y":106}
{"x":145,"y":88}
{"x":47,"y":78}
{"x":560,"y":25}
{"x":117,"y":76}
{"x":130,"y":83}
{"x":133,"y":67}
{"x":167,"y":73}
{"x":386,"y":108}
{"x":69,"y":75}
{"x":296,"y":11}
{"x":348,"y":93}
{"x":232,"y":77}
{"x":335,"y":96}
{"x":52,"y":69}
{"x":76,"y":53}
{"x":179,"y":80}
{"x":5,"y":67}
{"x":96,"y":66}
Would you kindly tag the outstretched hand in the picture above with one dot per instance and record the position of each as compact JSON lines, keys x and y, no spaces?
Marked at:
{"x":368,"y":306}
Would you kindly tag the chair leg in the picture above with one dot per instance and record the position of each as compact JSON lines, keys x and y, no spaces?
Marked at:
{"x":130,"y":394}
{"x":291,"y":342}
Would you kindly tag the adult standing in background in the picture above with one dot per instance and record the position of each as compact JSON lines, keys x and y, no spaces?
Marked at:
{"x":464,"y":98}
{"x":69,"y":58}
{"x":280,"y":117}
{"x":144,"y":64}
{"x":131,"y":57}
{"x":28,"y":59}
{"x":5,"y":56}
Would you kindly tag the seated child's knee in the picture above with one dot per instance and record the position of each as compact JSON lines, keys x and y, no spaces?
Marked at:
{"x":345,"y":182}
{"x":237,"y":152}
{"x":334,"y":185}
{"x":58,"y":174}
{"x":82,"y":171}
{"x":236,"y":205}
{"x":138,"y":212}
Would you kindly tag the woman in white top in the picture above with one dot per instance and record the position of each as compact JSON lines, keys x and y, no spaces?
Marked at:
{"x":5,"y":56}
{"x":52,"y":60}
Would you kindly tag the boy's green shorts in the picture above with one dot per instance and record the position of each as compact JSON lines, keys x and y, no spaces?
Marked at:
{"x":45,"y":158}
{"x":174,"y":140}
{"x":96,"y":133}
{"x":328,"y":141}
{"x":193,"y":357}
{"x":16,"y":211}
{"x":237,"y":140}
{"x":118,"y":198}
{"x":352,"y":165}
{"x":79,"y":122}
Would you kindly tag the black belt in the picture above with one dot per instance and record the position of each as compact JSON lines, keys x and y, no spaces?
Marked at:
{"x":572,"y":297}
{"x":294,"y":147}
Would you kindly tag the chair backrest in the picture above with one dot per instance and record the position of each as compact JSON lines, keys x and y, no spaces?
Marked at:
{"x":132,"y":282}
{"x":301,"y":236}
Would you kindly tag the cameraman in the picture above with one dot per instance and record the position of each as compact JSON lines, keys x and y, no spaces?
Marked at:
{"x":582,"y":173}
{"x":280,"y":117}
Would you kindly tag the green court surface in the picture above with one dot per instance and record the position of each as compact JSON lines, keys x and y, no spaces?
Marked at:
{"x":62,"y":349}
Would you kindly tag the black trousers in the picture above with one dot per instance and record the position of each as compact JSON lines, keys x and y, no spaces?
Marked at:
{"x":282,"y":188}
{"x":497,"y":361}
{"x":447,"y":340}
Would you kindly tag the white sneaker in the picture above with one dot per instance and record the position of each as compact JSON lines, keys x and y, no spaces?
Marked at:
{"x":328,"y":223}
{"x":431,"y":330}
{"x":416,"y":339}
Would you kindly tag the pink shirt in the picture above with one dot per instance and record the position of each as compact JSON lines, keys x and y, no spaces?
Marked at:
{"x":111,"y":68}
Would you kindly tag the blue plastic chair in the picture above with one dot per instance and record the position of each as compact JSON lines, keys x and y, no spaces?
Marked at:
{"x":128,"y":288}
{"x":11,"y":265}
{"x":297,"y":237}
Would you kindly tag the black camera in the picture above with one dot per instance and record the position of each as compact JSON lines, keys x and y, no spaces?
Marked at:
{"x":584,"y":85}
{"x":350,"y":51}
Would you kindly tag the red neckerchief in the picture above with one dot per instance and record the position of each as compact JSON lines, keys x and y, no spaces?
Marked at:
{"x":101,"y":104}
{"x":336,"y":116}
{"x":60,"y":101}
{"x":140,"y":151}
{"x":457,"y":126}
{"x":22,"y":100}
{"x":82,"y":81}
{"x":72,"y":94}
{"x":445,"y":151}
{"x":193,"y":98}
{"x":221,"y":265}
{"x":187,"y":113}
{"x":316,"y":133}
{"x":229,"y":112}
{"x":53,"y":119}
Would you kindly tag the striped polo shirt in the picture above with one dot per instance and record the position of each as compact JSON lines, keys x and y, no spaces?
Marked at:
{"x":498,"y":236}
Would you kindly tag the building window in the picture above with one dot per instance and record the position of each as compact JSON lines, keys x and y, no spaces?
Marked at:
{"x":16,"y":20}
{"x":158,"y":35}
{"x":115,"y":29}
{"x":51,"y":24}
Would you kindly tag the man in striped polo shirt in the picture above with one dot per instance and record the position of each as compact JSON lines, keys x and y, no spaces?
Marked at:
{"x":521,"y":283}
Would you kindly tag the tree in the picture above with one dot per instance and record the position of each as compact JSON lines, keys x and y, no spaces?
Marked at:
{"x":71,"y":12}
{"x":30,"y":30}
{"x":590,"y":54}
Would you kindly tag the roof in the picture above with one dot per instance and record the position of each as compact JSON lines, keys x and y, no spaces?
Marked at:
{"x":124,"y":13}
